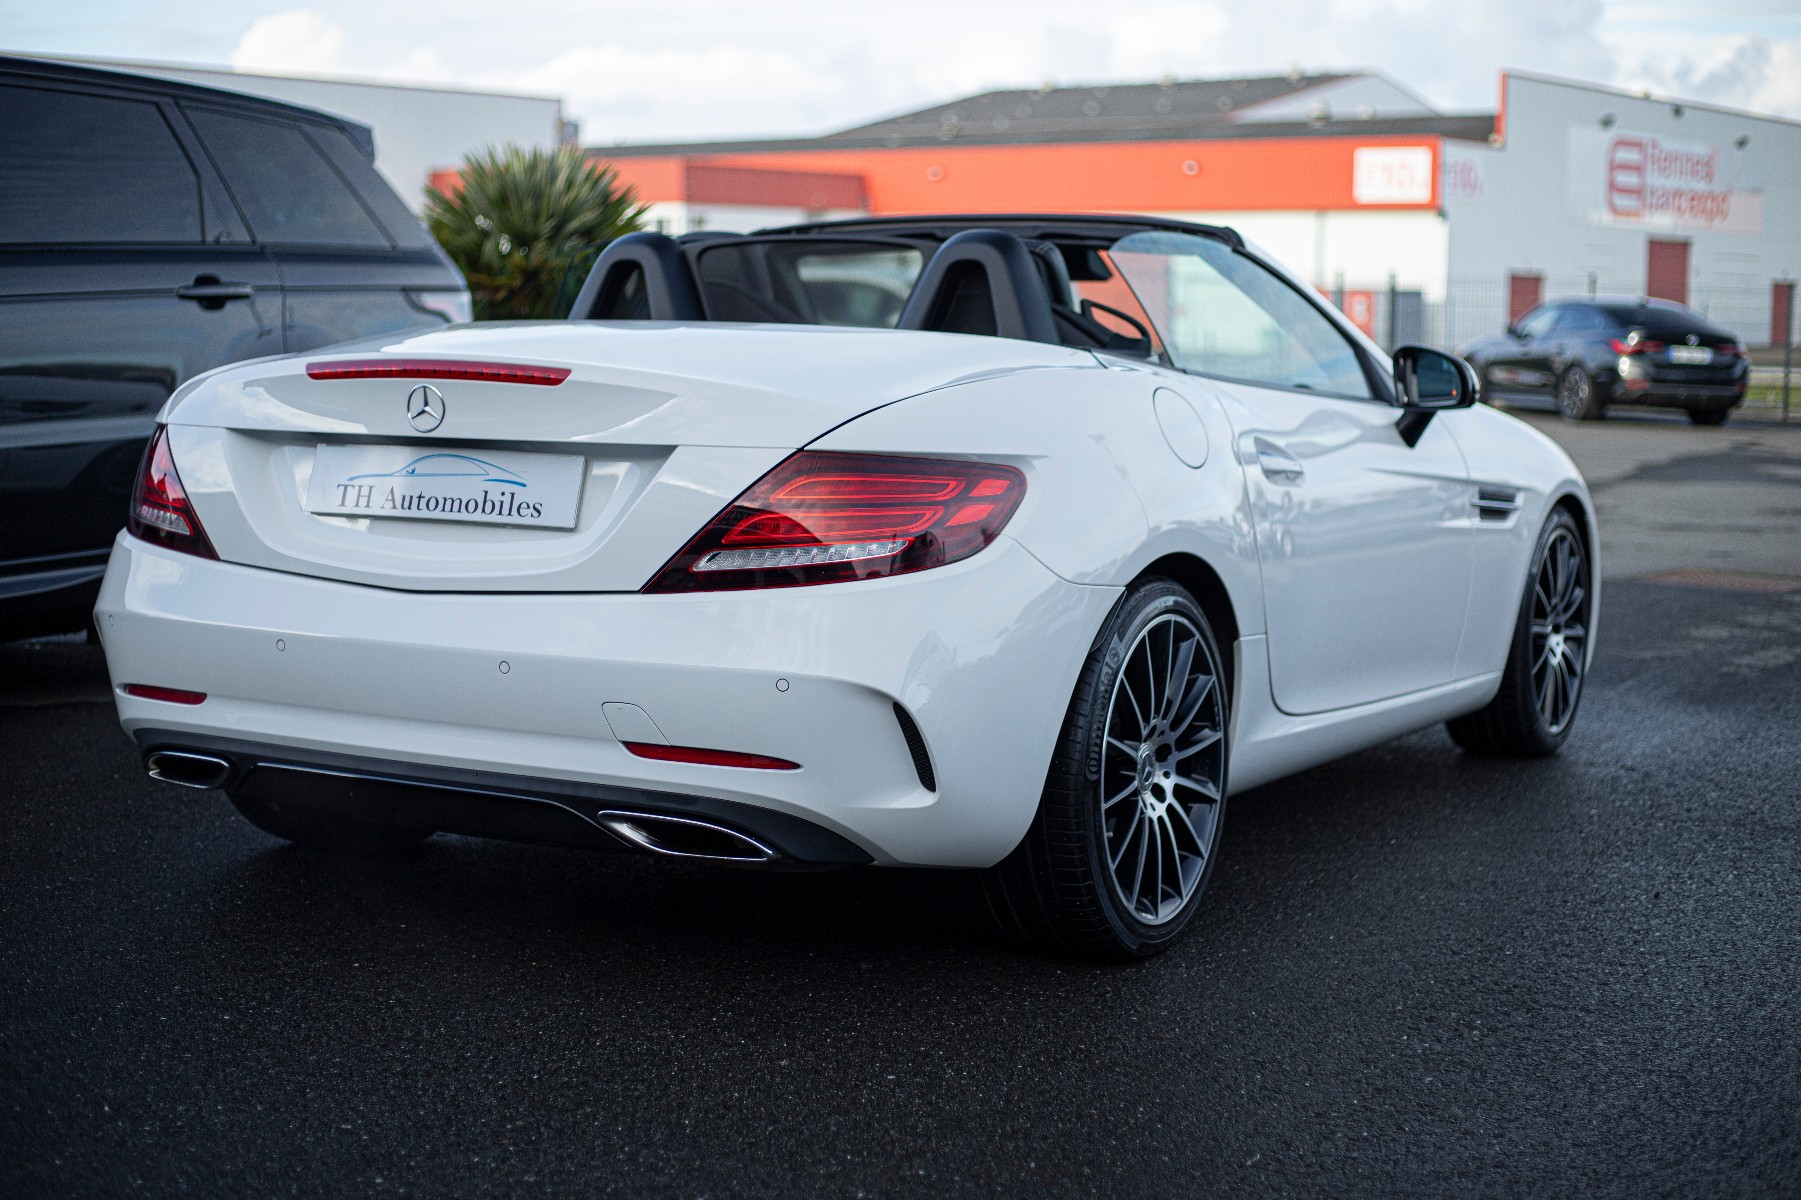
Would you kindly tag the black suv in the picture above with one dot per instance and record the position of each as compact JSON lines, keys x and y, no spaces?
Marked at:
{"x":150,"y":231}
{"x":1588,"y":354}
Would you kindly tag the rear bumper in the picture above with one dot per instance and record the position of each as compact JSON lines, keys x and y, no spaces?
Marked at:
{"x":491,"y":804}
{"x":983,"y":654}
{"x":1639,"y":386}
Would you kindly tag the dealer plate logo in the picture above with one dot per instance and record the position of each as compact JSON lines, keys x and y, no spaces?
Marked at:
{"x":425,"y":408}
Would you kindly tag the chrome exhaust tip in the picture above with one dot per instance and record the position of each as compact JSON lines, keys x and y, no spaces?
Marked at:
{"x":183,"y":769}
{"x":682,"y":837}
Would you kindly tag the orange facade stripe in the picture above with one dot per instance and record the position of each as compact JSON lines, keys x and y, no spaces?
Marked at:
{"x":1198,"y":176}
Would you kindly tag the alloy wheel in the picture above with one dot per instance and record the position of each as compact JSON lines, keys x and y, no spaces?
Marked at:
{"x":1574,"y":393}
{"x":1162,"y":769}
{"x":1560,"y":593}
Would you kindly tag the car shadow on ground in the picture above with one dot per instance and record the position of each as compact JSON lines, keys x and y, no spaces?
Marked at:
{"x":578,"y":904}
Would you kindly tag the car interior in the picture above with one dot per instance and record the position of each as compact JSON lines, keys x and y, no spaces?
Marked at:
{"x":983,"y":281}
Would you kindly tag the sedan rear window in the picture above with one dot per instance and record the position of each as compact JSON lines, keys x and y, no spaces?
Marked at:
{"x":1662,"y":321}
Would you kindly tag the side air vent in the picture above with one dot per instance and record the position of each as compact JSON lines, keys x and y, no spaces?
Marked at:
{"x":916,"y":746}
{"x":1496,"y":503}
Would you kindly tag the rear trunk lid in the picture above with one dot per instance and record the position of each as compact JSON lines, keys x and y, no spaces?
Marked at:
{"x":587,"y":484}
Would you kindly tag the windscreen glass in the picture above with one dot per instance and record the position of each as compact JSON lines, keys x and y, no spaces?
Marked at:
{"x":1221,"y":313}
{"x":1661,"y":322}
{"x":808,"y":282}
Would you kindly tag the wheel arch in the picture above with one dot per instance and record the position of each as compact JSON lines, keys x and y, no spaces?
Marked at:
{"x":1209,"y":591}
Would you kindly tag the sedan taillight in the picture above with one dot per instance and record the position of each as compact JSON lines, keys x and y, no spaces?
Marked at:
{"x":1635,"y":345}
{"x":160,"y":510}
{"x":831,"y":518}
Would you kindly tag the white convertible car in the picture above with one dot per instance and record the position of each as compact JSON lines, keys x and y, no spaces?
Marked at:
{"x":1010,"y":543}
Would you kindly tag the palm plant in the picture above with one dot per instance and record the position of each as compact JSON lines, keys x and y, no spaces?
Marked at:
{"x":521,"y":220}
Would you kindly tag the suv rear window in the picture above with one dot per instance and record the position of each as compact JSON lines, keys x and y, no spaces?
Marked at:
{"x":289,"y":193}
{"x":85,"y":168}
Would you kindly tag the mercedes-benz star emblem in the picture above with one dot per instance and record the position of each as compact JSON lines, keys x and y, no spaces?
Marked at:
{"x":425,"y":408}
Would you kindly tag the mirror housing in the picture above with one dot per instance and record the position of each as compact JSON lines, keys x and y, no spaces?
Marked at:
{"x":1428,"y":381}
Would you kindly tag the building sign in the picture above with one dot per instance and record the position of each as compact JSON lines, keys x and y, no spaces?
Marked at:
{"x":1391,"y":175}
{"x":1648,"y":181}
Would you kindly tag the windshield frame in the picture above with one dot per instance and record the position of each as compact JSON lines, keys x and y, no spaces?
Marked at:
{"x":1378,"y":380}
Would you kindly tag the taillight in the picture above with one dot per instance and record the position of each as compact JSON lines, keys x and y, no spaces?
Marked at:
{"x":1729,"y":350}
{"x":436,"y":368}
{"x":831,"y":518}
{"x":160,"y":510}
{"x":1635,"y":345}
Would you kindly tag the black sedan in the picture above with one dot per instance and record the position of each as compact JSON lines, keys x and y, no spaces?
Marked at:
{"x":1588,"y":354}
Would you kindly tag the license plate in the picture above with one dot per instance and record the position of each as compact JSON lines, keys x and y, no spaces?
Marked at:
{"x":1691,"y":356}
{"x":482,"y":487}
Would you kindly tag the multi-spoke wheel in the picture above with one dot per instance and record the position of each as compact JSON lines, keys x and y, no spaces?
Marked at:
{"x":1541,"y":686}
{"x":1129,"y":826}
{"x":1576,"y":396}
{"x":1161,"y":768}
{"x":1559,"y":629}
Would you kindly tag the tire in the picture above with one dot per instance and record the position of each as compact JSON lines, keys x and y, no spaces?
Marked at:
{"x":1576,"y":398}
{"x":327,"y":832}
{"x":1109,"y":802}
{"x":1541,"y":686}
{"x":1709,"y":416}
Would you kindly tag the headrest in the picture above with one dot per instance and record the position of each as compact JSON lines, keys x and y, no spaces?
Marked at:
{"x":643,"y":277}
{"x":982,"y":281}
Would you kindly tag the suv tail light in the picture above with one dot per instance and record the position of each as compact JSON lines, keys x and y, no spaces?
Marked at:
{"x":160,"y":511}
{"x":831,"y":518}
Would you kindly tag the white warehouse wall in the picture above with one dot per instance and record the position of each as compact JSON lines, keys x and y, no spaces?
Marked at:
{"x":1562,"y":198}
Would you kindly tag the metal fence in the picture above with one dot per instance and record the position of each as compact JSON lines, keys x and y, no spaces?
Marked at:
{"x":1478,"y":307}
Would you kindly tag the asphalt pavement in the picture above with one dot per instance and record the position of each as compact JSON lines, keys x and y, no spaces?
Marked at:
{"x":1417,"y":972}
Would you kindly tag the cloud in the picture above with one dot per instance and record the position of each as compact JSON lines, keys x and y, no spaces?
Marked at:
{"x":620,"y":90}
{"x":294,"y":42}
{"x":1738,"y":71}
{"x":708,"y":69}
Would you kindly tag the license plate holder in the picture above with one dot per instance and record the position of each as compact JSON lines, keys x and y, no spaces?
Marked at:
{"x":467,"y":486}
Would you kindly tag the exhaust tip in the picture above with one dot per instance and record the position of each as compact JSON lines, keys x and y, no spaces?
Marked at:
{"x":183,"y":769}
{"x":682,"y":837}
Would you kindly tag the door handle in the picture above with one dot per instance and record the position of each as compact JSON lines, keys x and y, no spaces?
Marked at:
{"x":213,"y":293}
{"x":1278,"y":464}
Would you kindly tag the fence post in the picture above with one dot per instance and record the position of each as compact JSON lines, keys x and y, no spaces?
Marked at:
{"x":1394,"y":305}
{"x":1591,"y":285}
{"x":1788,"y":357}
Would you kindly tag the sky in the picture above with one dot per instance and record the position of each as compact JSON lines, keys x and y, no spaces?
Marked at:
{"x":702,"y":69}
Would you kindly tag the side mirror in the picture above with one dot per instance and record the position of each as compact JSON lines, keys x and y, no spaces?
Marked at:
{"x":1427,"y":381}
{"x":1515,"y":332}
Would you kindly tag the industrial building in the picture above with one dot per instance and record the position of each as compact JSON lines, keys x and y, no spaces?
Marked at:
{"x":1421,"y":225}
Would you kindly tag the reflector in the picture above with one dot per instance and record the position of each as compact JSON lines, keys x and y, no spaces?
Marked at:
{"x":709,"y":758}
{"x":149,"y":691}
